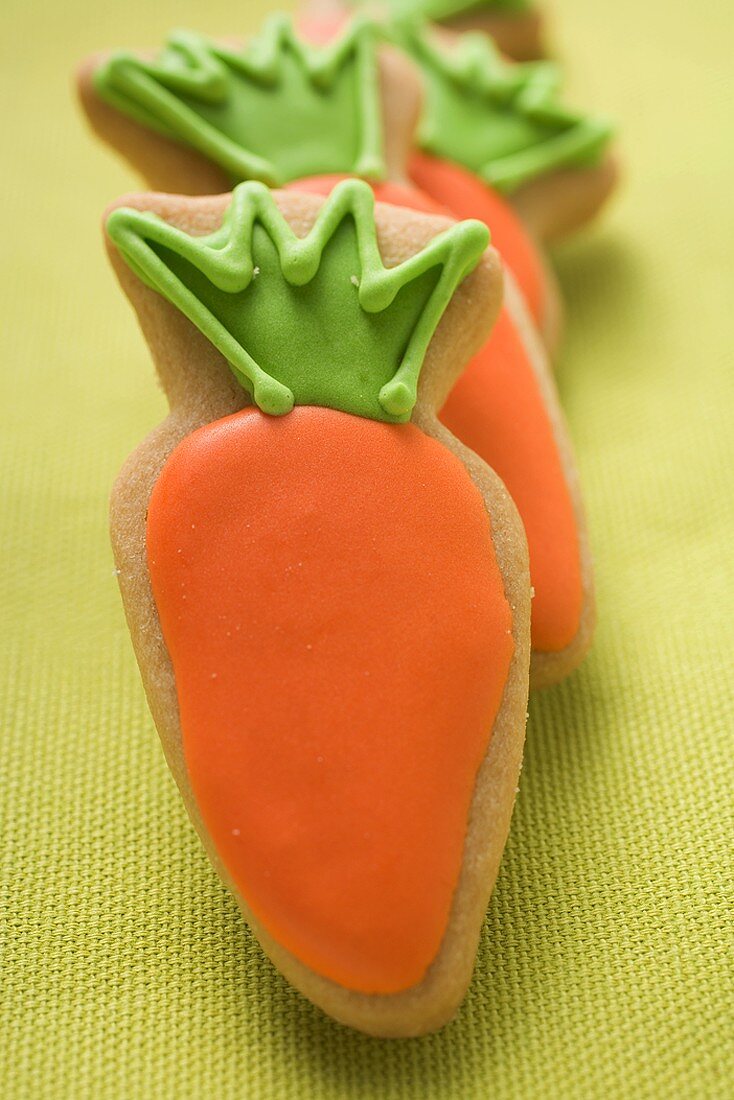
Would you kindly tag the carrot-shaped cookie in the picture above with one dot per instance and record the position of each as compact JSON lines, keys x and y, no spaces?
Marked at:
{"x":504,"y":123}
{"x":273,"y":109}
{"x":328,"y":594}
{"x":507,"y":404}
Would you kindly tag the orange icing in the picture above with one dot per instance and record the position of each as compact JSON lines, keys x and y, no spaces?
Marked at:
{"x":395,"y":194}
{"x":497,"y":409}
{"x":338,"y":674}
{"x":468,"y":197}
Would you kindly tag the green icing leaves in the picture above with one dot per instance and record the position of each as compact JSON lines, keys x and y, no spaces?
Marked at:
{"x":317,"y":320}
{"x":275,"y":111}
{"x":499,"y":119}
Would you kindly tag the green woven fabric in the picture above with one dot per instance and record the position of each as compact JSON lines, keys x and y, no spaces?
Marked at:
{"x":603,"y":971}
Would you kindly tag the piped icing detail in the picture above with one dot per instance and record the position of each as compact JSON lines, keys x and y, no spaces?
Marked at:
{"x":271,"y":302}
{"x":277,"y":109}
{"x":501,"y":120}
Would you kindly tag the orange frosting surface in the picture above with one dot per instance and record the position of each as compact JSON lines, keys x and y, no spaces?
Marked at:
{"x":330,"y":598}
{"x":497,"y":409}
{"x":396,"y":194}
{"x":468,"y":197}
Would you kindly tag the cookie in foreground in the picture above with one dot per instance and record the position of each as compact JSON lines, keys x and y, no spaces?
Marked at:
{"x":327,"y":594}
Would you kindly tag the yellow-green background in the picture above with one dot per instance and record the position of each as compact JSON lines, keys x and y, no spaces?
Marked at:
{"x":603,"y":969}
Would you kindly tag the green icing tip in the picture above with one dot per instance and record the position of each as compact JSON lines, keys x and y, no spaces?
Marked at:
{"x":314,"y":320}
{"x":276,"y":110}
{"x":397,"y":399}
{"x":499,"y":119}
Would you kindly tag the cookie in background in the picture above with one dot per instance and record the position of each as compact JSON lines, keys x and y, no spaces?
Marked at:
{"x":358,"y":101}
{"x":506,"y":125}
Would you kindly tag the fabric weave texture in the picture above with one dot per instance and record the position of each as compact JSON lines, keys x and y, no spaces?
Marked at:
{"x":605,"y":963}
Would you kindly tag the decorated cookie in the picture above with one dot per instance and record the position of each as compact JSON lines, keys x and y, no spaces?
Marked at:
{"x":274,"y":109}
{"x":515,"y":25}
{"x":503,"y":122}
{"x":506,"y":407}
{"x":327,"y":593}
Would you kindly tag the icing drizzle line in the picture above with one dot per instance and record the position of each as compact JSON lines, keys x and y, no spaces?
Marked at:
{"x":191,"y":92}
{"x":225,"y":258}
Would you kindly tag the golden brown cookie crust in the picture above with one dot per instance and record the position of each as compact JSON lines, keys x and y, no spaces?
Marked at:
{"x":560,"y":203}
{"x":200,"y":388}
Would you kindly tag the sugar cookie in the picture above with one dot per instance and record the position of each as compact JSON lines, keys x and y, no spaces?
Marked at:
{"x":327,"y":593}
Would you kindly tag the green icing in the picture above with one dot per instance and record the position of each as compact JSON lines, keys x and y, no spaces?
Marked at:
{"x":275,"y":111}
{"x":317,"y":320}
{"x":281,"y":109}
{"x":499,"y":119}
